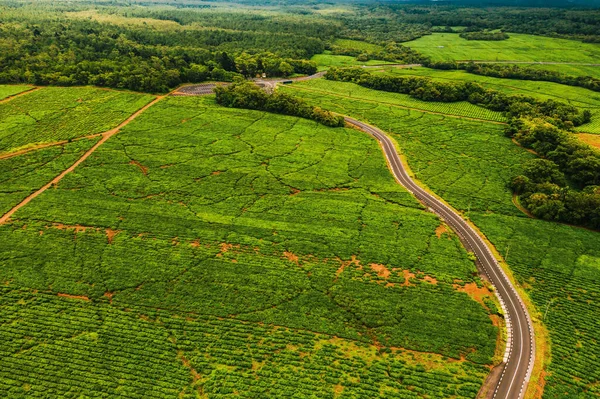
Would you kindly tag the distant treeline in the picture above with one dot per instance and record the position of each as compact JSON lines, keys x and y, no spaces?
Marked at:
{"x":579,"y":24}
{"x":560,"y":114}
{"x":565,"y":185}
{"x":392,"y":52}
{"x":50,"y":49}
{"x":243,"y":94}
{"x":524,"y":73}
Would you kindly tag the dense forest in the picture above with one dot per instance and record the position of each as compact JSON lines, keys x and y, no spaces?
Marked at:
{"x":565,"y":184}
{"x":244,"y":94}
{"x":155,"y":49}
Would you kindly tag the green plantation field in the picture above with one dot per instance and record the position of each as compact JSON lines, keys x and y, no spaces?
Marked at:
{"x":577,"y":96}
{"x":469,"y":164}
{"x":327,"y":60}
{"x":22,"y":175}
{"x":57,"y":113}
{"x":7,"y":91}
{"x":348,"y":91}
{"x":207,"y":251}
{"x":519,"y":47}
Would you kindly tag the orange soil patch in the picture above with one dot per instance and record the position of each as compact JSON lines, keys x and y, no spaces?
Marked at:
{"x":110,"y":234}
{"x":345,"y":264}
{"x":381,"y":270}
{"x":474,"y":291}
{"x":139,"y":165}
{"x":80,"y":297}
{"x":195,"y":244}
{"x":295,"y":191}
{"x":430,"y":279}
{"x":216,"y":173}
{"x":407,"y":276}
{"x":291,"y":257}
{"x":105,"y":136}
{"x":591,"y":139}
{"x":337,"y":390}
{"x":441,"y":229}
{"x":539,"y":387}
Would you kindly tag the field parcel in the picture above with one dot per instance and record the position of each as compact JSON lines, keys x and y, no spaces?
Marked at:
{"x":274,"y":247}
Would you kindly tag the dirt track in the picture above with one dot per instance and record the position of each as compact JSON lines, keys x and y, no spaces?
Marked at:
{"x":105,"y":136}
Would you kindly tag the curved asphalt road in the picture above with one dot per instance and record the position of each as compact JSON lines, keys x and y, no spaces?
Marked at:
{"x":520,"y":348}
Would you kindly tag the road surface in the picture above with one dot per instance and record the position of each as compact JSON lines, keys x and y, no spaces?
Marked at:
{"x":520,"y":348}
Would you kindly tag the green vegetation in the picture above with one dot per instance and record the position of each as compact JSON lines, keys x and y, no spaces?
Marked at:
{"x":579,"y":97}
{"x":260,"y":238}
{"x":358,"y":45}
{"x":470,"y":164}
{"x":22,"y":175}
{"x":451,"y":47}
{"x":327,"y":60}
{"x":7,"y":91}
{"x":544,"y":185}
{"x":57,"y":114}
{"x":350,"y":91}
{"x":568,"y":69}
{"x":247,"y":95}
{"x":560,"y":114}
{"x":484,"y":35}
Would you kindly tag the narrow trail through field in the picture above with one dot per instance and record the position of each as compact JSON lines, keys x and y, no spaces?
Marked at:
{"x":46,"y":145}
{"x":398,"y":106}
{"x":7,"y":99}
{"x":105,"y":136}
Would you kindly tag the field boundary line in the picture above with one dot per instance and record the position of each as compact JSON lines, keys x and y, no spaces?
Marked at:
{"x":31,"y":90}
{"x":105,"y":136}
{"x":46,"y":145}
{"x":400,"y":106}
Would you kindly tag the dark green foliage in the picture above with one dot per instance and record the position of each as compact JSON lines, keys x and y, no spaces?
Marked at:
{"x":432,"y":90}
{"x":524,"y":73}
{"x":247,"y":95}
{"x":484,"y":35}
{"x":543,"y":188}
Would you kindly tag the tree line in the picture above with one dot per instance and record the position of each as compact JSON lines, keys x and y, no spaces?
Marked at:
{"x":484,"y":35}
{"x":52,"y":49}
{"x":560,"y":114}
{"x":525,"y":73}
{"x":244,"y":94}
{"x":564,"y":185}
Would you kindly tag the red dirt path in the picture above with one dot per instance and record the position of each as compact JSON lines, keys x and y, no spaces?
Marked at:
{"x":105,"y":136}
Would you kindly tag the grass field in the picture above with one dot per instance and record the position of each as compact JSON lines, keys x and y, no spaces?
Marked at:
{"x":469,"y":163}
{"x":519,"y":47}
{"x":577,"y":96}
{"x":327,"y":60}
{"x":7,"y":91}
{"x":207,"y":251}
{"x":59,"y":113}
{"x":349,"y":91}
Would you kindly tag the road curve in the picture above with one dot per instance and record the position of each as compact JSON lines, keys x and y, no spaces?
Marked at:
{"x":520,"y":347}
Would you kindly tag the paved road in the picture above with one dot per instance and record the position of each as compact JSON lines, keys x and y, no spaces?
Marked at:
{"x":520,"y":350}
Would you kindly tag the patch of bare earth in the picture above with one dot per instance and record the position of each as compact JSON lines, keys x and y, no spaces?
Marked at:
{"x":292,"y":257}
{"x":475,"y":292}
{"x":441,"y":229}
{"x":80,"y":297}
{"x":345,"y":264}
{"x":381,"y":270}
